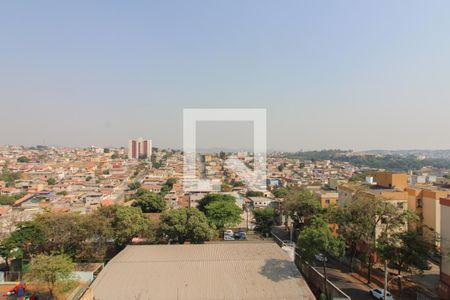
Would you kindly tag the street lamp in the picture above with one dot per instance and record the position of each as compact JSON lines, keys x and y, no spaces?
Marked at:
{"x":295,"y":218}
{"x":399,"y":277}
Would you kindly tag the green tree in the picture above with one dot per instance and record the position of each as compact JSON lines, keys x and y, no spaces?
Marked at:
{"x":28,"y":237}
{"x":64,"y":232}
{"x":115,"y":155}
{"x":23,"y":159}
{"x":49,"y":270}
{"x":51,"y":181}
{"x":126,"y":223}
{"x":170,"y":182}
{"x":280,"y":192}
{"x":98,"y":233}
{"x":408,"y":252}
{"x":363,"y":218}
{"x":185,"y":224}
{"x":150,"y":202}
{"x":8,"y":251}
{"x":140,"y":192}
{"x":213,"y":198}
{"x":361,"y":176}
{"x":301,"y":204}
{"x":10,"y":199}
{"x":134,"y":185}
{"x":265,"y":219}
{"x":351,"y":222}
{"x":82,"y":237}
{"x":167,"y":186}
{"x":106,"y":150}
{"x":317,"y":238}
{"x":8,"y":176}
{"x":222,"y":214}
{"x":254,"y":194}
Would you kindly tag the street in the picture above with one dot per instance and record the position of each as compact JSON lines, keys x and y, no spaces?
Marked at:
{"x":118,"y":195}
{"x":344,"y":281}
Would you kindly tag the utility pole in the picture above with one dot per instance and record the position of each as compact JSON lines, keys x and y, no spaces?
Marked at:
{"x":247,"y":218}
{"x":385,"y":280}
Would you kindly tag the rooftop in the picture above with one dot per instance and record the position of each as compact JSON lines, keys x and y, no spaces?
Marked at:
{"x":226,"y":270}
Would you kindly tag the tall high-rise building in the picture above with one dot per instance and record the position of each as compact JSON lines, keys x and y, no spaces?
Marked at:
{"x":139,"y":148}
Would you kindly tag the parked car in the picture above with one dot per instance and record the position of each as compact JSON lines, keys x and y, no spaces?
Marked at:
{"x":320,"y":257}
{"x":379,"y":294}
{"x":288,"y":243}
{"x":228,"y":238}
{"x":240,"y":235}
{"x":228,"y":232}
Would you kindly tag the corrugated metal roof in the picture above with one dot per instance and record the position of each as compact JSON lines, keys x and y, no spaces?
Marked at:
{"x":229,"y":270}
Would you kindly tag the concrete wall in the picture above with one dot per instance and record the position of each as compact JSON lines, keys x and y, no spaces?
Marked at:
{"x":88,"y":295}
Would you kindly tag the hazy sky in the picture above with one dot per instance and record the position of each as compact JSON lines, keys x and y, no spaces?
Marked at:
{"x":331,"y":74}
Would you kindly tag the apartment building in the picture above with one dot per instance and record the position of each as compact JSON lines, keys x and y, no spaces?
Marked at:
{"x":424,"y":201}
{"x":398,"y":181}
{"x":139,"y":148}
{"x":390,"y":187}
{"x":444,"y":283}
{"x":345,"y":192}
{"x":327,"y":198}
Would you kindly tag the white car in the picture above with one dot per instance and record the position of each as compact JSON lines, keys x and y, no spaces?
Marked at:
{"x":379,"y":294}
{"x":288,"y":243}
{"x":320,"y":257}
{"x":228,"y":238}
{"x":229,"y":232}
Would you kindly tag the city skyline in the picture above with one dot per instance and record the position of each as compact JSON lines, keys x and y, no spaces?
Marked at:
{"x":198,"y":149}
{"x":130,"y":70}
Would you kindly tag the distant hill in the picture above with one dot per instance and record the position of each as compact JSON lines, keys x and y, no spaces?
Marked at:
{"x":376,"y":159}
{"x":444,"y":154}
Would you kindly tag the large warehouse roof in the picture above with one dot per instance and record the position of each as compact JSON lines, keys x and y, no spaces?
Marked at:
{"x":230,"y":270}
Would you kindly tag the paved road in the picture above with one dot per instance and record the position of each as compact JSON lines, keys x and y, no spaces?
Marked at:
{"x":349,"y":285}
{"x":118,"y":194}
{"x":428,"y":280}
{"x":344,"y":281}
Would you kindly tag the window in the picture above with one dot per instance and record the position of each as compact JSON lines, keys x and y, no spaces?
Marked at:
{"x":327,"y":201}
{"x":419,"y":203}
